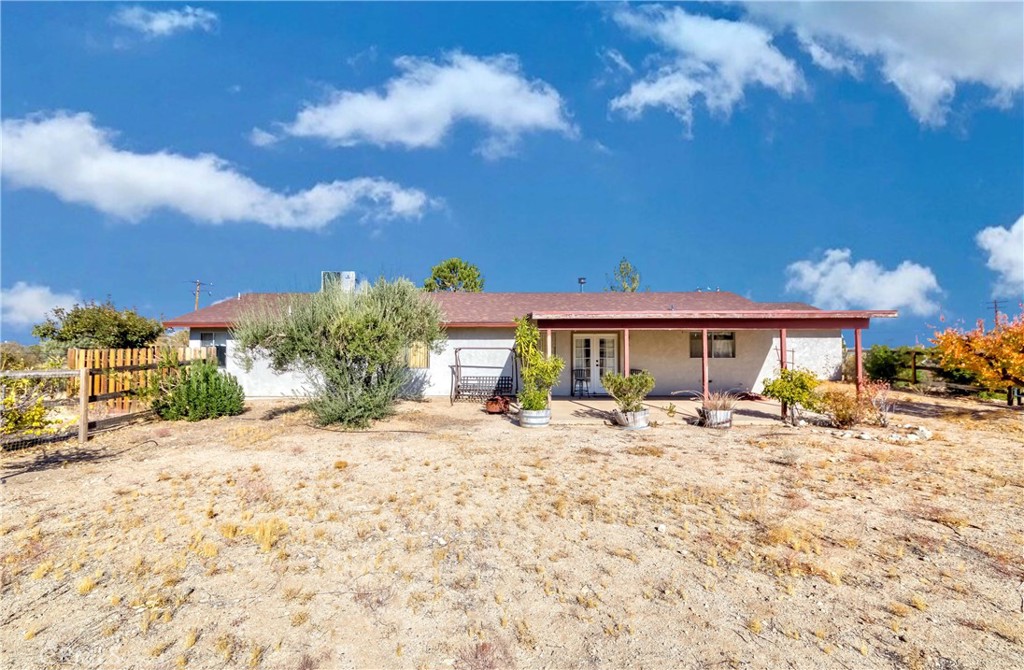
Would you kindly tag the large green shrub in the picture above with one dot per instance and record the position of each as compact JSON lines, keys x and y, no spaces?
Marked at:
{"x":882,"y":363}
{"x":629,"y":392}
{"x":200,"y":391}
{"x":350,"y":345}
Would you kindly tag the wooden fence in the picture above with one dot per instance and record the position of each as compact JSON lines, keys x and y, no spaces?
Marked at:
{"x":112,"y":376}
{"x":115,"y":373}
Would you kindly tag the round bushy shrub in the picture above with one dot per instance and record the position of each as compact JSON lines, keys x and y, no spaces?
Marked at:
{"x":201,"y":391}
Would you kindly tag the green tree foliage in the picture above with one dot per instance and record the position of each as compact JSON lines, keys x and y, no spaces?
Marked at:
{"x":794,"y":388}
{"x":200,"y":391}
{"x":538,"y":372}
{"x":454,"y":274}
{"x":97,"y":325}
{"x":882,"y":363}
{"x":15,"y":356}
{"x":625,"y":279}
{"x":350,"y":345}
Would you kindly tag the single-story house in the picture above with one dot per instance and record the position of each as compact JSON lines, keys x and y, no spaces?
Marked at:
{"x":696,"y":341}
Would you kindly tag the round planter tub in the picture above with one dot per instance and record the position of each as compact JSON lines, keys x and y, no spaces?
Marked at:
{"x":534,"y":418}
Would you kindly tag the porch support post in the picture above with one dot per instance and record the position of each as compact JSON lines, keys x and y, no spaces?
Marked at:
{"x":858,"y":358}
{"x":625,"y":350}
{"x":547,"y":350}
{"x":704,"y":360}
{"x":783,"y":364}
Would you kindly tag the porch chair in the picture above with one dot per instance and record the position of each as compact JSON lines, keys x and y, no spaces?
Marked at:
{"x":581,"y":382}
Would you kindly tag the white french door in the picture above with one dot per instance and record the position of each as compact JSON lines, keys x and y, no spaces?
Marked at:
{"x":597,"y":354}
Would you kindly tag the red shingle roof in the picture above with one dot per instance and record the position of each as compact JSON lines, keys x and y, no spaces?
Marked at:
{"x":499,"y":309}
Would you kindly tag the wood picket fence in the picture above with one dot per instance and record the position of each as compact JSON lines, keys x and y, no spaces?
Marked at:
{"x":115,"y":373}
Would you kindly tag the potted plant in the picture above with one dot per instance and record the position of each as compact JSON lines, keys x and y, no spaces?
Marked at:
{"x":538,"y":373}
{"x":716,"y":410}
{"x":629,"y":394}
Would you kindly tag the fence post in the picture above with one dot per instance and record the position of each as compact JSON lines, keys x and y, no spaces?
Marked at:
{"x":83,"y":405}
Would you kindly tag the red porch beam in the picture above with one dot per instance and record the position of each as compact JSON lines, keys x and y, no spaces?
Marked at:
{"x":704,"y":360}
{"x":782,"y":349}
{"x":625,"y":350}
{"x":698,"y":324}
{"x":858,"y":359}
{"x":783,"y":364}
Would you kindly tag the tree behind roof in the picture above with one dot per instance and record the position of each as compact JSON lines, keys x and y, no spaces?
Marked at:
{"x":97,"y":326}
{"x":454,"y":275}
{"x":626,"y":278}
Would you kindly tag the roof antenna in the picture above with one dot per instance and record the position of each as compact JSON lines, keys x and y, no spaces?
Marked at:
{"x":581,"y":281}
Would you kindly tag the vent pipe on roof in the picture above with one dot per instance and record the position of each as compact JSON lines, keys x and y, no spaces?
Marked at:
{"x":346,"y":280}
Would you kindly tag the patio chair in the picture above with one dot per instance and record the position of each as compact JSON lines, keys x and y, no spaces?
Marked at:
{"x":581,"y":383}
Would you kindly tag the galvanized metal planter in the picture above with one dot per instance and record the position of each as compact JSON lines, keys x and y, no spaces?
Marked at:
{"x":534,"y":418}
{"x":632,"y":420}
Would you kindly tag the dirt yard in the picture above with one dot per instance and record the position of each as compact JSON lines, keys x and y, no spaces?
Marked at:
{"x":446,"y":538}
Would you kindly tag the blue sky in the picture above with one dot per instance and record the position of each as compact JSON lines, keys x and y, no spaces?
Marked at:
{"x":848,"y":155}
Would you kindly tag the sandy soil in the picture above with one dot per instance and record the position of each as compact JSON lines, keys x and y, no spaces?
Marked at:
{"x":448,"y":538}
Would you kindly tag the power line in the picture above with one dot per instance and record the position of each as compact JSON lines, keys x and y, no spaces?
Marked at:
{"x":996,"y":304}
{"x":198,"y":289}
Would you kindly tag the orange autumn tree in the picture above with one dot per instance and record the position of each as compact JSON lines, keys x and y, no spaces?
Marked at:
{"x":995,"y":357}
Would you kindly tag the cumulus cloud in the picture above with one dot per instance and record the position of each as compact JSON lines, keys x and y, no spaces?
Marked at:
{"x":162,"y":23}
{"x":69,"y":156}
{"x":1005,"y":249}
{"x":834,"y":282}
{"x":715,"y":60}
{"x":925,"y":49}
{"x":418,"y":108}
{"x":27,"y":304}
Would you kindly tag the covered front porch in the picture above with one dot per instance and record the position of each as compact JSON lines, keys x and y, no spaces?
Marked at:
{"x":692,"y":353}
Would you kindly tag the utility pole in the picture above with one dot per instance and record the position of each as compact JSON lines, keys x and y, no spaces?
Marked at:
{"x":199,"y":287}
{"x":995,"y":312}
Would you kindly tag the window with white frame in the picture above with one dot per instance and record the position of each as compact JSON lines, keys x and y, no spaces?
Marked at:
{"x":721,"y":344}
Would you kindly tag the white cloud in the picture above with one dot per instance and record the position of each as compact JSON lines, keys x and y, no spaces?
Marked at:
{"x":161,"y":23}
{"x":828,"y":57}
{"x":69,"y":156}
{"x":418,"y":108}
{"x":613,"y":57}
{"x":1005,"y":248}
{"x":28,"y":304}
{"x":836,"y":283}
{"x":925,"y":49}
{"x":261,"y":138}
{"x":713,"y":59}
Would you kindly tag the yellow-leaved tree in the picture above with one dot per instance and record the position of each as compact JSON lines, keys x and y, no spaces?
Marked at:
{"x":995,"y":357}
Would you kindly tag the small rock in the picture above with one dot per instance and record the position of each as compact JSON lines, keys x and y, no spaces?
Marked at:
{"x":440,"y":541}
{"x":801,"y":423}
{"x":865,"y":436}
{"x":661,"y":528}
{"x":912,"y":438}
{"x":923,"y":433}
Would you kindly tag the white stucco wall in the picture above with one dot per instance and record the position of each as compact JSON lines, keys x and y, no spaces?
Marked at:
{"x":260,"y":381}
{"x":437,"y":380}
{"x":665,"y":353}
